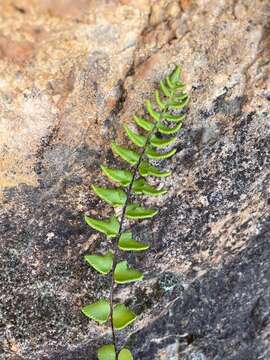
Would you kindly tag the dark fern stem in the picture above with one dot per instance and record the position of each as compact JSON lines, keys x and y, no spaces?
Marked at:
{"x":170,"y":100}
{"x":118,"y":236}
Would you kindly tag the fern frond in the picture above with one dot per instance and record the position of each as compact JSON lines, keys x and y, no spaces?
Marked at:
{"x":171,"y":101}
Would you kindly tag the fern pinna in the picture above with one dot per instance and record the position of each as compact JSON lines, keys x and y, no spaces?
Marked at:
{"x":165,"y":120}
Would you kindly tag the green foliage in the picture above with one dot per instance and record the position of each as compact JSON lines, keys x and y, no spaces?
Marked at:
{"x":164,"y":89}
{"x":122,"y":316}
{"x":161,"y":143}
{"x":146,"y":169}
{"x":123,"y":177}
{"x":174,"y":118}
{"x":165,"y":117}
{"x":125,"y":354}
{"x":102,"y":263}
{"x":175,"y":75}
{"x":163,"y":129}
{"x":127,"y":243}
{"x":123,"y":274}
{"x":141,"y":186}
{"x":160,"y":103}
{"x":98,"y":311}
{"x":131,"y":156}
{"x":153,"y":154}
{"x":134,"y":211}
{"x":106,"y":352}
{"x":144,"y":124}
{"x":109,"y":227}
{"x":155,"y":115}
{"x":178,"y":105}
{"x":137,"y":139}
{"x":115,"y":197}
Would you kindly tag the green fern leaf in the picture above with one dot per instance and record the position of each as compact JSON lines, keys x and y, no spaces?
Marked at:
{"x":124,"y":274}
{"x":109,"y":227}
{"x":115,"y":197}
{"x":126,"y":243}
{"x":98,"y":311}
{"x":180,"y":97}
{"x":162,"y":143}
{"x":122,"y":316}
{"x":107,"y":352}
{"x":144,"y":124}
{"x":164,"y":89}
{"x":131,"y":156}
{"x":160,"y":103}
{"x":123,"y":177}
{"x":155,"y":115}
{"x":169,"y":83}
{"x":169,"y":130}
{"x":175,"y":75}
{"x":179,"y":105}
{"x":152,"y":154}
{"x":137,"y":139}
{"x":134,"y":211}
{"x":174,"y":118}
{"x":125,"y":354}
{"x":102,"y":263}
{"x":179,"y":86}
{"x":141,"y":186}
{"x":146,"y":169}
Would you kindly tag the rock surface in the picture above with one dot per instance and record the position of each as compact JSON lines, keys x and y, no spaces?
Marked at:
{"x":72,"y":72}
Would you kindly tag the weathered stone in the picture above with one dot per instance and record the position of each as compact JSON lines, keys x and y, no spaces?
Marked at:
{"x":72,"y":72}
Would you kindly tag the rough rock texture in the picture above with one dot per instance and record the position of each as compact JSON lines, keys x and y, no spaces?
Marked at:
{"x":71,"y":73}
